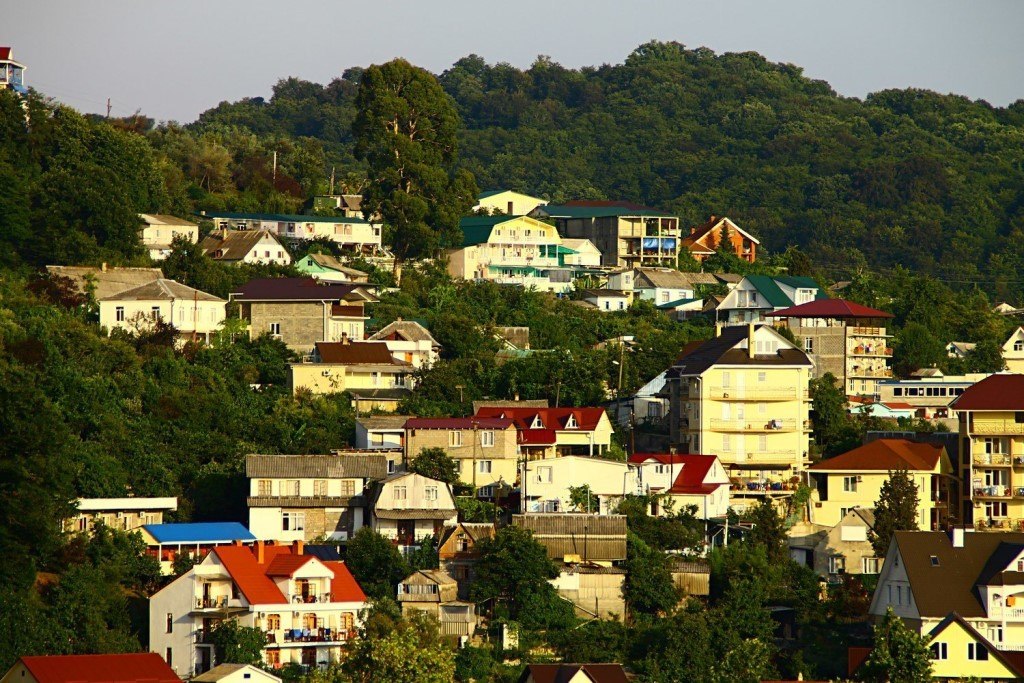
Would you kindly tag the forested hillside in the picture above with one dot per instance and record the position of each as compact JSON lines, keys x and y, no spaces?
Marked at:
{"x":932,"y":182}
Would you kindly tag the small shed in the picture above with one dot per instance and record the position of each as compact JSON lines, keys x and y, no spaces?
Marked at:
{"x":593,"y":538}
{"x":692,"y":577}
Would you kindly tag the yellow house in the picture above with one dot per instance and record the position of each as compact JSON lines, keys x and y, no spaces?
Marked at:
{"x":508,"y":202}
{"x":855,"y":478}
{"x":977,"y":578}
{"x":959,"y":651}
{"x":554,"y":432}
{"x":485,"y":450}
{"x":511,"y":250}
{"x":365,"y":369}
{"x":991,"y":414}
{"x":743,"y":396}
{"x":1013,"y":351}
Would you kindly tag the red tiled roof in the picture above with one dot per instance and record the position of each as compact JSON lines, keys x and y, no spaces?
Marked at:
{"x":855,"y":656}
{"x":5,"y":53}
{"x":458,"y":423}
{"x":587,"y":419}
{"x":147,"y":667}
{"x":830,"y":308}
{"x":356,"y":353}
{"x":884,"y":455}
{"x":537,"y":437}
{"x":251,"y":578}
{"x":286,"y":564}
{"x":343,"y":586}
{"x":996,"y":392}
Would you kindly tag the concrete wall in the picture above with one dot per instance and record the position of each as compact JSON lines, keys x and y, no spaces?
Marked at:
{"x":302,"y":324}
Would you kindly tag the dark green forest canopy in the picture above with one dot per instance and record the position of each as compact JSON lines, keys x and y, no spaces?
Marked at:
{"x":933,"y":182}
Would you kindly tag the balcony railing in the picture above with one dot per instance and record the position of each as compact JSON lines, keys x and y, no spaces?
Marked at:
{"x":881,"y":373}
{"x":760,"y":486}
{"x":289,"y":636}
{"x":992,"y":492}
{"x":999,"y":427}
{"x":757,"y":394}
{"x":310,"y":599}
{"x":869,"y":351}
{"x":755,"y":425}
{"x":1001,"y":459}
{"x":998,"y":524}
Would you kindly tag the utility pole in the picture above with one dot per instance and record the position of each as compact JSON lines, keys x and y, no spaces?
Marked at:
{"x":108,"y":107}
{"x":275,"y":165}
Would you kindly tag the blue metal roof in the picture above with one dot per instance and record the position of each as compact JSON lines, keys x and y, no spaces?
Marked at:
{"x":199,"y":532}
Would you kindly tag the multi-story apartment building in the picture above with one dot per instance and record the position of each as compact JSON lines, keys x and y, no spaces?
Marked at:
{"x":991,"y":418}
{"x":303,"y":311}
{"x":743,"y":396}
{"x":349,"y":232}
{"x":627,"y":235}
{"x":306,"y":608}
{"x":304,"y":497}
{"x":854,"y":480}
{"x":843,"y":338}
{"x":127,"y":514}
{"x":755,"y":297}
{"x":485,"y":450}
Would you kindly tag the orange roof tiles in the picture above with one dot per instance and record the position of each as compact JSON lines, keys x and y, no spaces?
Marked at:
{"x":250,"y":576}
{"x":145,"y":667}
{"x":884,"y":455}
{"x":344,"y":587}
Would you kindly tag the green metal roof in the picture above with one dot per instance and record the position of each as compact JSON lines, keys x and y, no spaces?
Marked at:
{"x":773,"y":294}
{"x":677,"y":302}
{"x":477,"y":229}
{"x":562,"y":211}
{"x":280,"y":217}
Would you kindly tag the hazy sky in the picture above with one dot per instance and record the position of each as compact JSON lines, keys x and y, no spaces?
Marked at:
{"x":175,"y":58}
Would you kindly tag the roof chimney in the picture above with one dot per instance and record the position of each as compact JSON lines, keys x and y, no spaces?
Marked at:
{"x":750,"y":340}
{"x":298,"y":547}
{"x":261,"y":552}
{"x":103,"y":266}
{"x":958,"y":537}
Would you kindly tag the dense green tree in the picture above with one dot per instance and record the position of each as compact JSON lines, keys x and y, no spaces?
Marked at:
{"x":897,"y":654}
{"x":405,"y":129}
{"x":895,"y":510}
{"x":834,"y":431}
{"x":649,"y":588}
{"x":436,"y":464}
{"x":412,"y":652}
{"x":375,"y":563}
{"x":768,"y":530}
{"x":917,"y":347}
{"x":582,"y":499}
{"x":237,"y":644}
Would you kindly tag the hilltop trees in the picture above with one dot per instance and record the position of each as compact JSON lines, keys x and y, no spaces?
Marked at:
{"x":405,"y":130}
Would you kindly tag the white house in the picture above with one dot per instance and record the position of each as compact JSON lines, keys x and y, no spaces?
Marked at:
{"x":192,"y":313}
{"x":306,"y":608}
{"x":236,"y":673}
{"x":685,"y":480}
{"x":126,"y":514}
{"x":508,"y":202}
{"x":304,"y":497}
{"x":245,"y":246}
{"x":581,"y":252}
{"x":661,"y":285}
{"x":547,"y":482}
{"x":607,"y":300}
{"x":409,"y":507}
{"x":410,"y":342}
{"x":160,"y":230}
{"x":350,"y":232}
{"x":758,"y":295}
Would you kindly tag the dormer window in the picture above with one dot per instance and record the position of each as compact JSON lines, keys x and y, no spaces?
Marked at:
{"x":537,"y":423}
{"x":571,"y":422}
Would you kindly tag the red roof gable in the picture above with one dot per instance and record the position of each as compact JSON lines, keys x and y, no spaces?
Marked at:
{"x":537,"y":437}
{"x":458,"y":423}
{"x":344,"y":587}
{"x":884,"y":455}
{"x":587,"y":419}
{"x":147,"y":667}
{"x":250,"y":576}
{"x":5,"y":53}
{"x":830,"y":308}
{"x":996,"y":392}
{"x":286,"y":564}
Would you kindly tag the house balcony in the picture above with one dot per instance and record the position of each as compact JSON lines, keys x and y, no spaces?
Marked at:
{"x":741,"y":486}
{"x":321,"y":598}
{"x":994,"y":459}
{"x":768,"y":458}
{"x":998,"y":427}
{"x":216,"y":604}
{"x":866,"y":332}
{"x":880,"y":373}
{"x":756,"y":394}
{"x":993,"y":492}
{"x":753,"y":425}
{"x":869,"y":351}
{"x":304,"y":637}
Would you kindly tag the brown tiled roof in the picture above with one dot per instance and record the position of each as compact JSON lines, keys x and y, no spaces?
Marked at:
{"x":317,"y":466}
{"x":409,"y":330}
{"x":565,"y":673}
{"x":106,"y":281}
{"x":720,"y":350}
{"x":232,"y":245}
{"x":299,"y":289}
{"x":356,"y":353}
{"x":163,"y":290}
{"x":664,"y":278}
{"x":949,"y":583}
{"x":884,"y":455}
{"x":996,"y":392}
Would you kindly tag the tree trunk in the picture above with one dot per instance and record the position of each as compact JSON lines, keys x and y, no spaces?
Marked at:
{"x":396,"y":270}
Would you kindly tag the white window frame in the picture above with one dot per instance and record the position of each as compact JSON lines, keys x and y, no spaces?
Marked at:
{"x":487,"y":439}
{"x":485,"y":466}
{"x":454,"y":439}
{"x":850,"y":484}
